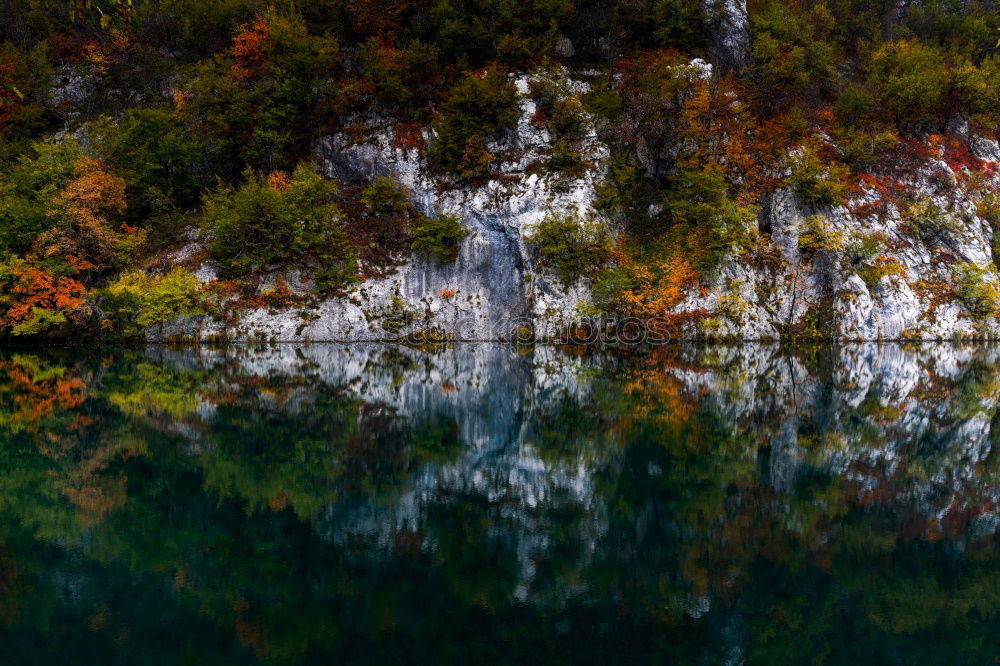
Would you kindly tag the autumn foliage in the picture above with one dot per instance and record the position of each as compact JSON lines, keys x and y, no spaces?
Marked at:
{"x":250,"y":47}
{"x":32,"y":299}
{"x":81,"y":230}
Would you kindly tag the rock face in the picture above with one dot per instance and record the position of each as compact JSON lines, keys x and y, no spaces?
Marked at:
{"x":932,"y":284}
{"x":728,"y":27}
{"x":925,"y":275}
{"x":491,"y":290}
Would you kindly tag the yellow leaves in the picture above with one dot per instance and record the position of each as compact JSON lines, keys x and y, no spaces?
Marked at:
{"x":93,"y":189}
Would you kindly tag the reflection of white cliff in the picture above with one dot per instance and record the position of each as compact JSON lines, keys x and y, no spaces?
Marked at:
{"x":490,"y":392}
{"x":915,"y":417}
{"x":908,"y":425}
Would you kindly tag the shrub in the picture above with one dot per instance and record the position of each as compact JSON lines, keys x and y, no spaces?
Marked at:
{"x":699,"y":206}
{"x":26,"y":189}
{"x":477,"y":109}
{"x":264,"y":100}
{"x":862,"y":254}
{"x":33,"y":300}
{"x":816,"y":236}
{"x":862,"y":247}
{"x":928,"y":221}
{"x":617,"y":192}
{"x":911,"y":80}
{"x":81,"y":233}
{"x":273,"y":221}
{"x":679,"y":24}
{"x":136,"y":300}
{"x":976,"y":286}
{"x":988,"y":208}
{"x":438,"y":238}
{"x":872,"y":272}
{"x":792,"y":49}
{"x":570,"y":246}
{"x":560,"y":110}
{"x":379,"y":220}
{"x":817,"y":182}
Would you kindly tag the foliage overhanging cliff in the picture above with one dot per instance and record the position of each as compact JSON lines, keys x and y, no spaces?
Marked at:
{"x":436,"y":169}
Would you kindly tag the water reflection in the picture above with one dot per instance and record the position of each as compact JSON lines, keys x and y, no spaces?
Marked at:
{"x":372,"y":504}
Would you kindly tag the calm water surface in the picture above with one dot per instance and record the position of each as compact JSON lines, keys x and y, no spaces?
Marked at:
{"x":482,"y":505}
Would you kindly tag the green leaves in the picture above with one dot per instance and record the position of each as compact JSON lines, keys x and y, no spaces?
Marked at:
{"x":476,"y":106}
{"x":570,"y":246}
{"x":438,"y":238}
{"x":273,"y":221}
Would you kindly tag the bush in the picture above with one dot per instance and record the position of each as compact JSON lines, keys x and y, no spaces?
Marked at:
{"x":34,"y":300}
{"x":816,"y":236}
{"x":136,"y":301}
{"x":617,"y":192}
{"x":570,"y":246}
{"x":976,"y":286}
{"x":699,"y":206}
{"x":379,"y":220}
{"x":26,"y":189}
{"x":560,"y":111}
{"x":988,"y":208}
{"x":438,"y":238}
{"x":910,"y":78}
{"x":791,"y":51}
{"x":266,"y":99}
{"x":817,"y":182}
{"x":862,"y":254}
{"x":872,"y":272}
{"x":273,"y":221}
{"x":929,"y":222}
{"x":477,"y":109}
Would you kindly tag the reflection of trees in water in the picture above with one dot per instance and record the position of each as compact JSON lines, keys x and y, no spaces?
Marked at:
{"x":688,"y":503}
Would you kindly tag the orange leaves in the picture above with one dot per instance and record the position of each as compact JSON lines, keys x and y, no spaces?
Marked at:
{"x":656,"y":287}
{"x":37,"y":391}
{"x":34,"y":288}
{"x":81,"y":232}
{"x":279,"y":181}
{"x":93,"y":189}
{"x":408,"y":136}
{"x":249,"y":48}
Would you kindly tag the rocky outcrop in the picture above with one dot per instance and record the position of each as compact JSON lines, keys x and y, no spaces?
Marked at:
{"x":925,"y":275}
{"x":728,"y":28}
{"x":491,"y":290}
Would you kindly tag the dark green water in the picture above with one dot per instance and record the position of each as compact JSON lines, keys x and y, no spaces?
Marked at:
{"x":379,"y":505}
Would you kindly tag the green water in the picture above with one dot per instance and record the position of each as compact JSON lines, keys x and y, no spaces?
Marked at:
{"x":484,"y":505}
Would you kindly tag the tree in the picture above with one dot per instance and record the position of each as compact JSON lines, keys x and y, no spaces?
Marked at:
{"x":271,"y":222}
{"x":33,"y":300}
{"x":910,"y":79}
{"x":80,"y":231}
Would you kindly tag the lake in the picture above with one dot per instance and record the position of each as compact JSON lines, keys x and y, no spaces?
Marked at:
{"x":488,"y":504}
